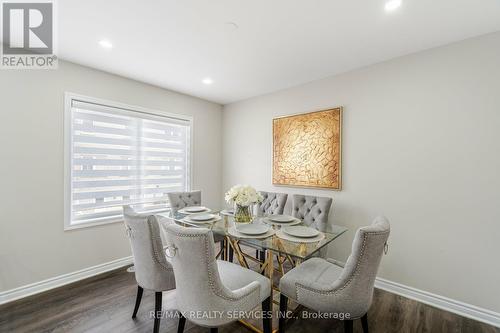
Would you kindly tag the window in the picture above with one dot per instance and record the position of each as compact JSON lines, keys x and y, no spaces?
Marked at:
{"x":120,"y":155}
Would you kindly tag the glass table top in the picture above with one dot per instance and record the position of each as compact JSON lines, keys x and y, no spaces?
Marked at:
{"x":273,"y":243}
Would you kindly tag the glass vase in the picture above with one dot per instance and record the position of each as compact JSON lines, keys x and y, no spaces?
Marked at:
{"x":242,"y":214}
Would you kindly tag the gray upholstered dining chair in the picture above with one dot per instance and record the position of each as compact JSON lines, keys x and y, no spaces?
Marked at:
{"x":312,"y":210}
{"x":179,"y":200}
{"x":152,"y":269}
{"x":207,"y":285}
{"x":272,"y":203}
{"x":322,"y":285}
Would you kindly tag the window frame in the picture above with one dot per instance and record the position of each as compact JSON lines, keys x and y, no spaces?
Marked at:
{"x":69,"y":97}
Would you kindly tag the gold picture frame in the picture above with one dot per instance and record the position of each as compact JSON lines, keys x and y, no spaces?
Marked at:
{"x":307,"y":149}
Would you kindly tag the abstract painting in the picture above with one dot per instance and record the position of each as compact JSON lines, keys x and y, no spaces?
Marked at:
{"x":307,"y":149}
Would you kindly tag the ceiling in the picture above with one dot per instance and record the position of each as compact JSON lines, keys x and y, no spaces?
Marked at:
{"x":175,"y":44}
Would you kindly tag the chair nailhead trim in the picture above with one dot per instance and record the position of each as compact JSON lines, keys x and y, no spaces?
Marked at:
{"x":351,"y":278}
{"x":211,"y":281}
{"x":155,"y":253}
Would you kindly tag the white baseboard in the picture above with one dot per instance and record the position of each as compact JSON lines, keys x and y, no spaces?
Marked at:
{"x":441,"y":302}
{"x":58,"y":281}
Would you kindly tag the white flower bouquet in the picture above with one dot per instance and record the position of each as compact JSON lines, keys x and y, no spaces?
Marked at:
{"x":243,"y":196}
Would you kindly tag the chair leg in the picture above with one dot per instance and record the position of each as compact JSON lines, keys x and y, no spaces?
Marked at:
{"x":282,"y":313}
{"x":137,"y":300}
{"x":222,"y":250}
{"x":182,"y":323}
{"x":158,"y":296}
{"x":364,"y":323}
{"x":266,"y":315}
{"x":262,"y":259}
{"x":231,"y":254}
{"x":347,"y":326}
{"x":214,"y":329}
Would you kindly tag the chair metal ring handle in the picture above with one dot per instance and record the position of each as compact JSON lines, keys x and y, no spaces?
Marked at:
{"x":171,"y":251}
{"x":128,"y":230}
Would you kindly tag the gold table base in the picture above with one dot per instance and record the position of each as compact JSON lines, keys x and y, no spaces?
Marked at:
{"x":266,"y":267}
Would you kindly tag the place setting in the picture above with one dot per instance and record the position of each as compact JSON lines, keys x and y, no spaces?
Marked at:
{"x":228,"y":212}
{"x":201,"y":218}
{"x":289,"y":229}
{"x":194,"y":210}
{"x":300,"y":234}
{"x":251,"y":230}
{"x":281,"y":220}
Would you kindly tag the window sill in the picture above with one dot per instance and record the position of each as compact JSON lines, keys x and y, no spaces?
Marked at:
{"x":91,"y":224}
{"x":108,"y":221}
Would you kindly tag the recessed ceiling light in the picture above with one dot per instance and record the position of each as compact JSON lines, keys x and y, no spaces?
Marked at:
{"x":392,"y":5}
{"x":207,"y":81}
{"x":106,"y":44}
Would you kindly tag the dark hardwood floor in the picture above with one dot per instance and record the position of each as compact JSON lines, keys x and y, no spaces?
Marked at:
{"x":105,"y":304}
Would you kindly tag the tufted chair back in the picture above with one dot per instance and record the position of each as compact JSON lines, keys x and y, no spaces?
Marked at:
{"x":152,"y":270}
{"x":199,"y":284}
{"x":347,"y":290}
{"x":179,"y":200}
{"x":359,"y":273}
{"x":273,"y":203}
{"x":312,"y":210}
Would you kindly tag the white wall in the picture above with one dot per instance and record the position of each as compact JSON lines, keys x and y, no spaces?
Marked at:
{"x":421,"y":145}
{"x":33,"y":245}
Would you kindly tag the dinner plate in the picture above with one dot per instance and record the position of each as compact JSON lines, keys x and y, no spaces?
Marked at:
{"x":281,"y":224}
{"x":251,"y":228}
{"x":227,"y":212}
{"x":300,"y":231}
{"x":235,"y":233}
{"x":195,"y":209}
{"x":303,"y":240}
{"x":202,"y":217}
{"x":189,"y":220}
{"x":282,"y":218}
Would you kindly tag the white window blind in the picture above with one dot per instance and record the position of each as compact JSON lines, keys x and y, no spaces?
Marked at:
{"x":120,"y":157}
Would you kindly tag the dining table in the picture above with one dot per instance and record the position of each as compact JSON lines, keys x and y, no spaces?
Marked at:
{"x":276,"y":247}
